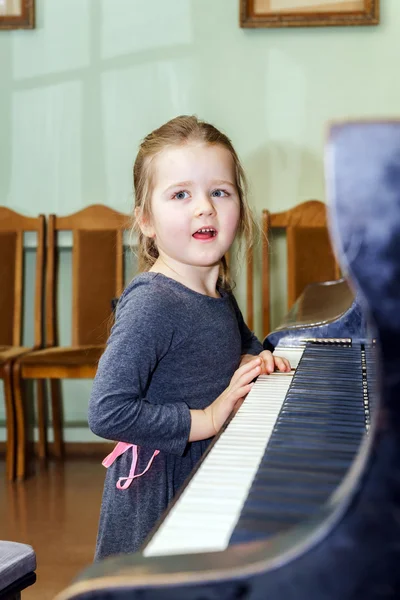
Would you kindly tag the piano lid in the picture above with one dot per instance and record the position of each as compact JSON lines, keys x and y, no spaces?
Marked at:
{"x":320,"y":304}
{"x":324,"y":310}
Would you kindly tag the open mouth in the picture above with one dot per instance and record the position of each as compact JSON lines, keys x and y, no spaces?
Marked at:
{"x":205,"y":233}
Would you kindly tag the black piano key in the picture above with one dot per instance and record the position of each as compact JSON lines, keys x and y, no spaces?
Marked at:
{"x":299,"y":442}
{"x":295,"y":477}
{"x":288,"y":489}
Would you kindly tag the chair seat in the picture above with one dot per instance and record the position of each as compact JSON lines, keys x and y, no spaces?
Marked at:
{"x":64,"y":356}
{"x":16,"y":561}
{"x":9,"y":352}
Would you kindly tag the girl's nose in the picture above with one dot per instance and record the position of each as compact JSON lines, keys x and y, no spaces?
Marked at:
{"x":204,"y":207}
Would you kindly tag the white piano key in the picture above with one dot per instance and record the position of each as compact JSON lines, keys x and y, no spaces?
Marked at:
{"x":292,"y":354}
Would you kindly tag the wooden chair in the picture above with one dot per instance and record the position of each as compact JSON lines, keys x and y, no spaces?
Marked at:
{"x":12,"y":292}
{"x":97,"y":277}
{"x":310,"y":257}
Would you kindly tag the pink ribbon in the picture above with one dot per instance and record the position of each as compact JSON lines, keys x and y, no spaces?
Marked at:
{"x":119,"y":449}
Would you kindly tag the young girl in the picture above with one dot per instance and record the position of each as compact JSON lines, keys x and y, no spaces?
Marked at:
{"x":180,"y":357}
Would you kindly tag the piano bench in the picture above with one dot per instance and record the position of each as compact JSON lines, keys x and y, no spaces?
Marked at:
{"x":17,"y":569}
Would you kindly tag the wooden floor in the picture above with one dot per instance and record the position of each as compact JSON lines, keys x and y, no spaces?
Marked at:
{"x":56,"y":512}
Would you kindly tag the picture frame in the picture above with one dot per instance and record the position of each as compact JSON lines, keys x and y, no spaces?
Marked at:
{"x":17,"y":14}
{"x":308,"y":13}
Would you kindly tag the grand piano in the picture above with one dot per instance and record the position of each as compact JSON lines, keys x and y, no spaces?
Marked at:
{"x":298,"y":495}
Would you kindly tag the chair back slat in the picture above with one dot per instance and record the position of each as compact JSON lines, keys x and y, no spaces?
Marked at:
{"x":19,"y":290}
{"x":8,"y":269}
{"x":310,"y":258}
{"x":97,"y":272}
{"x":95,"y":262}
{"x":13,"y":225}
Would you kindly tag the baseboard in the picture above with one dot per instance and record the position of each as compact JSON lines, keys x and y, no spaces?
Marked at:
{"x":75,"y":449}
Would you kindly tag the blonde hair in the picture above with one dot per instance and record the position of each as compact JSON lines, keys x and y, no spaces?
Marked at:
{"x":181,"y":130}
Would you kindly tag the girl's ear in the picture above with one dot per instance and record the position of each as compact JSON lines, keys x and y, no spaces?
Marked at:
{"x":145,"y":224}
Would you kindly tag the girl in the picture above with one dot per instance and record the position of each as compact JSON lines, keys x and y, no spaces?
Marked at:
{"x":179,"y":358}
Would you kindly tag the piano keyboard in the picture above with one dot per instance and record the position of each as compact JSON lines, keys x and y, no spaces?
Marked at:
{"x":204,"y":516}
{"x":317,"y":434}
{"x":281,"y":456}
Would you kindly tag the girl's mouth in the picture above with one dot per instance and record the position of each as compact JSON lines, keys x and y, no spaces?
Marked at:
{"x":205,"y":233}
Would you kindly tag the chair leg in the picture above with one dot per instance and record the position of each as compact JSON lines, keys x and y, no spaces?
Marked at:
{"x":42,"y":417}
{"x":56,"y":408}
{"x":10,"y":422}
{"x":21,"y":466}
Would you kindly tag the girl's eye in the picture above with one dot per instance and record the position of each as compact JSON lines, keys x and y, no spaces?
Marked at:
{"x":219,"y":193}
{"x":181,"y":195}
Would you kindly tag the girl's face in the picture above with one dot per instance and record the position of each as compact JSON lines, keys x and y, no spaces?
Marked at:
{"x":195,"y":205}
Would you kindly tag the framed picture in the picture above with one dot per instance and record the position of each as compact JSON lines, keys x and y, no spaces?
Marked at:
{"x":308,"y":13}
{"x":17,"y":14}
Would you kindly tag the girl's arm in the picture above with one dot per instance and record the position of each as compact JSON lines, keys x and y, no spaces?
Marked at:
{"x":118,"y":409}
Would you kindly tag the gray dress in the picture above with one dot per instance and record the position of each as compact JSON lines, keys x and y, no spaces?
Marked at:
{"x":170,"y":350}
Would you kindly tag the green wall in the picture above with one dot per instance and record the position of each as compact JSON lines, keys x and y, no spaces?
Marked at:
{"x":80,"y":91}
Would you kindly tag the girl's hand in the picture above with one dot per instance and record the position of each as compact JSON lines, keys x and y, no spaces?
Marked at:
{"x":240,"y":385}
{"x":269,"y":364}
{"x":206,"y":423}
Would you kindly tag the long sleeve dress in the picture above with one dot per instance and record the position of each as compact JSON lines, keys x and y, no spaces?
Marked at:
{"x":170,"y":350}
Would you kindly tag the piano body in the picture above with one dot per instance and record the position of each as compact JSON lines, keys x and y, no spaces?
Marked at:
{"x":317,"y":451}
